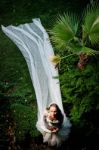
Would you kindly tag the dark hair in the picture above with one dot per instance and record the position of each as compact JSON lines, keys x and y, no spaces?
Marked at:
{"x":59,"y":115}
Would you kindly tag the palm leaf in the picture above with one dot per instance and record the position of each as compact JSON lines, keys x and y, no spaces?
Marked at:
{"x":88,"y":51}
{"x":91,"y":24}
{"x":78,"y":49}
{"x":64,"y":30}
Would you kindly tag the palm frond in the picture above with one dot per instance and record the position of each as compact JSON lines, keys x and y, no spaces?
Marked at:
{"x":79,"y":49}
{"x":64,"y":30}
{"x":74,"y":48}
{"x":88,"y":51}
{"x":91,"y":24}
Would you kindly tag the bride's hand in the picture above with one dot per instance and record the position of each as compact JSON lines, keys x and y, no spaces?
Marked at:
{"x":55,"y":130}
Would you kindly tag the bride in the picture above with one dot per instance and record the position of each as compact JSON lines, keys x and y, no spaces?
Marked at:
{"x":55,"y":126}
{"x":53,"y":120}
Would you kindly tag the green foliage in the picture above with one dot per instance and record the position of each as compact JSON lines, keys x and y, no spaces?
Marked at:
{"x":15,"y":82}
{"x":79,"y":84}
{"x":80,"y":89}
{"x":25,"y":119}
{"x":67,"y":33}
{"x":16,"y":86}
{"x":64,"y":30}
{"x":91,"y":24}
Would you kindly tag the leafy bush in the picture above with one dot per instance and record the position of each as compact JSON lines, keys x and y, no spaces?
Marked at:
{"x":25,"y":120}
{"x":77,"y":40}
{"x":80,"y":91}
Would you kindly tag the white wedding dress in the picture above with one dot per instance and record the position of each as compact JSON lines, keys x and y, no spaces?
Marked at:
{"x":33,"y":41}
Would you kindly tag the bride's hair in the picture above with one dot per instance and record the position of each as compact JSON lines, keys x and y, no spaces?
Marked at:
{"x":59,"y":115}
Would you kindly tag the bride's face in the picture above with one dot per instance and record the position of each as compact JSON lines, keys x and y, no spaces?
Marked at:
{"x":53,"y":111}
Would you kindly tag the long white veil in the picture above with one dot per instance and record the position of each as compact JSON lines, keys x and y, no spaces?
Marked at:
{"x":33,"y":41}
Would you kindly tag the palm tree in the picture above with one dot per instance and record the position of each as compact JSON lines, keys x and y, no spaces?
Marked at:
{"x":77,"y":36}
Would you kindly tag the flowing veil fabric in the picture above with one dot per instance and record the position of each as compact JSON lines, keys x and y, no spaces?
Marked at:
{"x":33,"y":41}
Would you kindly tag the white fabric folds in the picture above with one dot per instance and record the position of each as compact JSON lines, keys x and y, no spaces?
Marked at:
{"x":33,"y":41}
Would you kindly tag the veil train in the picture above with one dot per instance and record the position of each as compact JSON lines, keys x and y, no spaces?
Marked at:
{"x":33,"y":42}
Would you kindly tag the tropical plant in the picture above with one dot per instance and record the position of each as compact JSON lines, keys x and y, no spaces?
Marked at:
{"x":77,"y":36}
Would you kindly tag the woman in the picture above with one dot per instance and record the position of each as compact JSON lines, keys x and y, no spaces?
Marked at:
{"x":53,"y":120}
